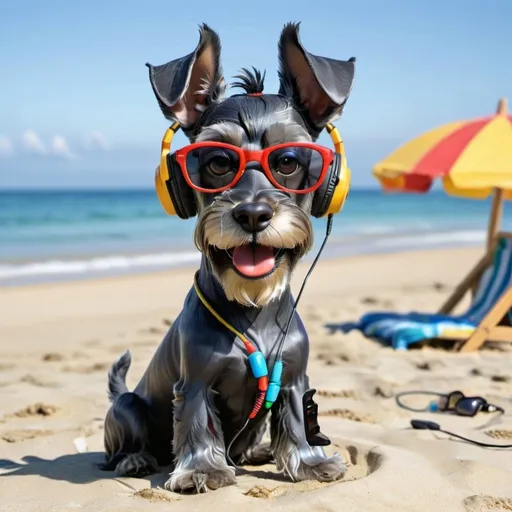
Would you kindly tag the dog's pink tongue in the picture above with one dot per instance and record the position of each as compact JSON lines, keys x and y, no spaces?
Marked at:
{"x":253,"y":260}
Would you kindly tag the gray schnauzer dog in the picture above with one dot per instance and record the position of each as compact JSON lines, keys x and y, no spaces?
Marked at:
{"x":254,"y":176}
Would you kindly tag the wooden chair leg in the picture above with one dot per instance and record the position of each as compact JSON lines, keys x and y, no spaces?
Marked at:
{"x":491,"y":320}
{"x":475,"y":341}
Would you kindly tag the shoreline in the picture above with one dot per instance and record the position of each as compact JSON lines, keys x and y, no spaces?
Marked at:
{"x":89,"y":266}
{"x":188,"y":267}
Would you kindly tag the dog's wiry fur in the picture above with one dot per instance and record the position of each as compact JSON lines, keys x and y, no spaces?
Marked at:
{"x":289,"y":229}
{"x":197,"y":391}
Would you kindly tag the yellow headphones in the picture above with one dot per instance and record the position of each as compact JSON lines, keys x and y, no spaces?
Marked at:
{"x":177,"y":198}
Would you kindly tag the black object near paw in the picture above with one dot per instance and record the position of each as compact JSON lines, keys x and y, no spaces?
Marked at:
{"x":313,"y":434}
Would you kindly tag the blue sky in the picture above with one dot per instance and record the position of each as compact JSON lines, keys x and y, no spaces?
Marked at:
{"x":76,"y":108}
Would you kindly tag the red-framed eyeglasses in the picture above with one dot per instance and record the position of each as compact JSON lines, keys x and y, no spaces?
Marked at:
{"x":212,"y":167}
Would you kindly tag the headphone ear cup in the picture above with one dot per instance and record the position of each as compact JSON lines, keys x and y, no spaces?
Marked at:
{"x":181,"y":195}
{"x":163,"y":194}
{"x":340,"y":193}
{"x":324,"y":194}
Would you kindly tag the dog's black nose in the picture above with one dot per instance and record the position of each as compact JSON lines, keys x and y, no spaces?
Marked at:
{"x":253,"y":217}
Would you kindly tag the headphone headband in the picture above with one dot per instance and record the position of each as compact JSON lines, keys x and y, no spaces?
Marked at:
{"x":166,"y":148}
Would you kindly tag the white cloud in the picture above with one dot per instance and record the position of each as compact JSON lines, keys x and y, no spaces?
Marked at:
{"x":60,"y":147}
{"x":6,"y":148}
{"x":96,"y":140}
{"x":32,"y":143}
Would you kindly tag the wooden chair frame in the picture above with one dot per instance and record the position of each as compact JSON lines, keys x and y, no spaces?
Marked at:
{"x":489,"y":328}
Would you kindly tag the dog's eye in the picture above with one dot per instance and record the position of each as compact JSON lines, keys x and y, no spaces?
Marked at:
{"x":286,"y":164}
{"x":219,"y":165}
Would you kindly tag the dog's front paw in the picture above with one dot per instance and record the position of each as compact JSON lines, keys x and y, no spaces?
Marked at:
{"x":201,"y":481}
{"x":329,"y":470}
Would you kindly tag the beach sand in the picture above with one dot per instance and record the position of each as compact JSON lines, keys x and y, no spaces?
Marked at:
{"x":57,"y":342}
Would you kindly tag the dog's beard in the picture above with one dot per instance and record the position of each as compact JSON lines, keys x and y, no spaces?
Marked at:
{"x":289,"y":237}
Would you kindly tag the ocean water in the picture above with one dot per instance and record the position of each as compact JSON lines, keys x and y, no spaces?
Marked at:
{"x":57,"y":235}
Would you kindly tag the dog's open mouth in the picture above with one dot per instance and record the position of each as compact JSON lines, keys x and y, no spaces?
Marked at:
{"x":252,"y":261}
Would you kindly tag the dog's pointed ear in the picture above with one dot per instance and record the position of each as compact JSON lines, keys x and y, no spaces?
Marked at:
{"x":318,"y":85}
{"x":187,"y":86}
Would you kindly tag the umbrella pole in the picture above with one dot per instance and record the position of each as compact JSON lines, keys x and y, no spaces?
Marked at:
{"x":495,"y":217}
{"x":497,"y":197}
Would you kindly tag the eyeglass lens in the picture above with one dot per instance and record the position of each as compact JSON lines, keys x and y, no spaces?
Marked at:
{"x":294,"y":168}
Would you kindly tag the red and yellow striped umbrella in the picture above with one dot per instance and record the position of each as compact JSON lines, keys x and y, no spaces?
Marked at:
{"x":472,"y":158}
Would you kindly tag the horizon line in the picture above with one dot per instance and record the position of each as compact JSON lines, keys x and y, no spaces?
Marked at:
{"x":124,"y":189}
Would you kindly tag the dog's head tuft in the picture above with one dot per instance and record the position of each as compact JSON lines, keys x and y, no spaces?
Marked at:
{"x":253,"y":233}
{"x":252,"y":82}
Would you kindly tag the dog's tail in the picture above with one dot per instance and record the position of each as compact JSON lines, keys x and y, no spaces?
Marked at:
{"x":117,"y":376}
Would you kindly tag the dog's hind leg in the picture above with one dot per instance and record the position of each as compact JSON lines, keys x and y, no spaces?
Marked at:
{"x":127,"y":427}
{"x":257,"y":453}
{"x":198,"y":442}
{"x":292,"y":453}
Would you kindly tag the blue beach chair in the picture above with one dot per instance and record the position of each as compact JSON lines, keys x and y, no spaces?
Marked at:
{"x":492,"y":301}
